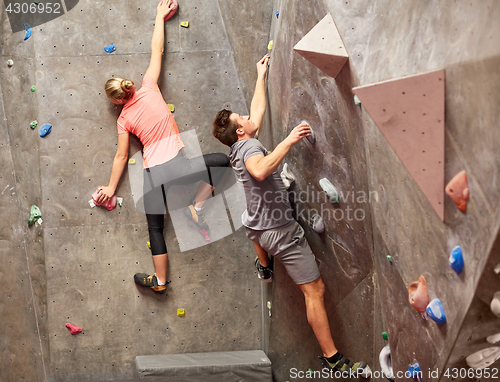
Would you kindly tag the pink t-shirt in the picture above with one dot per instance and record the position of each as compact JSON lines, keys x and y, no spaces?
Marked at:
{"x":147,"y":116}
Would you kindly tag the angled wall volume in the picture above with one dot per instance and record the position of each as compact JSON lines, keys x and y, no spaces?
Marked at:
{"x":409,"y":112}
{"x":323,"y":47}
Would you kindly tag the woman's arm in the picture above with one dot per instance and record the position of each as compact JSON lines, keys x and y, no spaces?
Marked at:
{"x":106,"y":192}
{"x":158,"y":40}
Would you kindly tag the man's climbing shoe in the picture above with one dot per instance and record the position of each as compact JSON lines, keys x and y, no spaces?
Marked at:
{"x":265,"y":273}
{"x":351,"y":369}
{"x":196,"y":216}
{"x":149,"y":281}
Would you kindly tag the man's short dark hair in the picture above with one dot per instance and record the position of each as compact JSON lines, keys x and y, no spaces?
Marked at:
{"x":224,"y":128}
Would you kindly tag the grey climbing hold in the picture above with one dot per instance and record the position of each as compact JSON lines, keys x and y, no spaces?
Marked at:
{"x":312,"y":137}
{"x":45,"y":130}
{"x":330,"y":190}
{"x":110,"y":48}
{"x":357,"y":101}
{"x":10,"y":63}
{"x":287,"y":177}
{"x":318,"y":224}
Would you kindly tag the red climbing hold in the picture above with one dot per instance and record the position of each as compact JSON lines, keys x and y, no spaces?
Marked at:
{"x":108,"y":204}
{"x":205,"y":233}
{"x":418,"y":294}
{"x":173,"y":5}
{"x":458,"y":190}
{"x":73,"y":329}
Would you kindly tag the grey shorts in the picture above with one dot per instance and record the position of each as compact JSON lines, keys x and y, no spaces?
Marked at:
{"x":288,"y":244}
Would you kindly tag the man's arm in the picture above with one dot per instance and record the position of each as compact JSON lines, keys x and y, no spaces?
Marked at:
{"x":258,"y":105}
{"x":260,"y":166}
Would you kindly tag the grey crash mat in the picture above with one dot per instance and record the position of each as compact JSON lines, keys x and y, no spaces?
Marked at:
{"x":246,"y":366}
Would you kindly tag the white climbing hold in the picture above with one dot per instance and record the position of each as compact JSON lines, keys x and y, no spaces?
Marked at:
{"x":493,"y":339}
{"x":497,"y":269}
{"x":287,"y":177}
{"x":10,"y":63}
{"x":318,"y":224}
{"x":330,"y":190}
{"x":495,"y":304}
{"x":386,"y":363}
{"x":483,"y":358}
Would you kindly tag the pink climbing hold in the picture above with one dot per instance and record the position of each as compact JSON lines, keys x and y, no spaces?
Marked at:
{"x":108,"y":204}
{"x":418,"y":294}
{"x":174,"y":5}
{"x":458,"y":190}
{"x":205,"y":233}
{"x":73,"y":329}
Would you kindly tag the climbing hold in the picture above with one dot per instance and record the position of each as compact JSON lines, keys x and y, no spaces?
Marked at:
{"x":311,"y":138}
{"x":483,"y":358}
{"x":418,"y":294}
{"x":171,"y":107}
{"x":73,"y":329}
{"x":414,"y":372}
{"x":35,"y":216}
{"x":385,"y":336}
{"x":205,"y":233}
{"x":357,"y":100}
{"x":108,"y":204}
{"x":110,"y":48}
{"x":185,"y":24}
{"x":10,"y":63}
{"x":131,"y":161}
{"x":173,"y":8}
{"x":34,"y":124}
{"x":277,"y":14}
{"x":270,"y":45}
{"x":386,"y":362}
{"x":390,"y":258}
{"x":27,"y":31}
{"x":456,"y":259}
{"x":495,"y":304}
{"x":310,"y":370}
{"x":45,"y":130}
{"x":497,"y":269}
{"x":493,"y":339}
{"x":287,"y":177}
{"x":148,"y":244}
{"x":119,"y":201}
{"x":318,"y":224}
{"x":436,"y":312}
{"x":33,"y":89}
{"x":181,"y":312}
{"x":458,"y":190}
{"x":330,"y":190}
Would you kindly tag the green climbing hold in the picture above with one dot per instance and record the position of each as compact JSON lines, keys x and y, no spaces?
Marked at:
{"x":389,"y":258}
{"x":33,"y":88}
{"x":35,"y":214}
{"x":310,"y":370}
{"x":384,"y":336}
{"x":34,"y":124}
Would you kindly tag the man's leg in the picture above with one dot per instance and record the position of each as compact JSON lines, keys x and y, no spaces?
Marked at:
{"x":314,"y":293}
{"x":262,"y":254}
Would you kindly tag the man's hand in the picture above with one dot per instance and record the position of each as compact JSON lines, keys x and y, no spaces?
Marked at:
{"x":299,"y":132}
{"x":163,"y":8}
{"x":262,"y":66}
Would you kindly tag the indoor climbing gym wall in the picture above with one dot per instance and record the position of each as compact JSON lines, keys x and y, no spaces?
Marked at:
{"x":397,"y":191}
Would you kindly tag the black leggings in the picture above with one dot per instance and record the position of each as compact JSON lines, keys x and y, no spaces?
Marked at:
{"x":177,"y":171}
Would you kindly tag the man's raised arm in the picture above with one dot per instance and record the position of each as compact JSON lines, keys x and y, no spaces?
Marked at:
{"x":258,"y":106}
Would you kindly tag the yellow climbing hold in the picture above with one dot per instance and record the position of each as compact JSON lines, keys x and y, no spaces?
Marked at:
{"x":270,"y":45}
{"x":171,"y":107}
{"x":148,"y":244}
{"x":131,"y":161}
{"x":181,"y":312}
{"x":185,"y":24}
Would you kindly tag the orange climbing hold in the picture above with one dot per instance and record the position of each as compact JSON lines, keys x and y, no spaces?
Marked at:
{"x":418,"y":294}
{"x":73,"y":329}
{"x":458,"y":190}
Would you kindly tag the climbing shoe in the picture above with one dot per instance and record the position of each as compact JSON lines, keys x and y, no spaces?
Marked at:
{"x":265,"y":273}
{"x":351,"y":369}
{"x":149,"y":281}
{"x":196,"y":216}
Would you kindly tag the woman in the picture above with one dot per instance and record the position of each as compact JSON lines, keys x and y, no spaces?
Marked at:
{"x":146,"y":115}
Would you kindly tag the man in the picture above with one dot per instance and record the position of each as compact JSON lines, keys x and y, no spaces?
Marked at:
{"x":268,"y":218}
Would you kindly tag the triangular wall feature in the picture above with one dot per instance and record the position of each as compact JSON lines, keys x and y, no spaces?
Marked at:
{"x":323,"y":47}
{"x":409,"y":112}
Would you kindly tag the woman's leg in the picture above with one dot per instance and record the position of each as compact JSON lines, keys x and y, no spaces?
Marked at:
{"x":215,"y":164}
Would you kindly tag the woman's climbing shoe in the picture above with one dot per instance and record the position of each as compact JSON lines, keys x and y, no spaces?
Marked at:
{"x":196,"y":216}
{"x":351,"y":369}
{"x":149,"y":281}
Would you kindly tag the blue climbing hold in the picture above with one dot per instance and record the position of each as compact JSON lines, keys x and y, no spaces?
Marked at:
{"x":414,"y":372}
{"x":277,"y":14}
{"x":436,"y":312}
{"x":457,"y":259}
{"x":110,"y":48}
{"x":27,"y":31}
{"x":45,"y":130}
